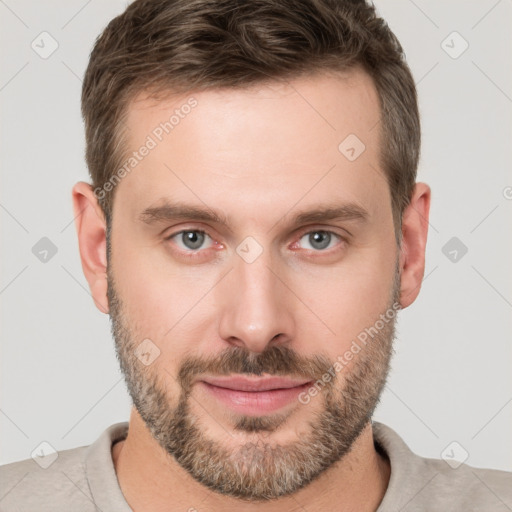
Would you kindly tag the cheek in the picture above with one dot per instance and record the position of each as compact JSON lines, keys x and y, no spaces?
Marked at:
{"x":163,"y":302}
{"x":348,"y":298}
{"x":146,"y":296}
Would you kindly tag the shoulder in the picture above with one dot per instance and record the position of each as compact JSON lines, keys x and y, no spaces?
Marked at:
{"x":49,"y":481}
{"x":419,"y":483}
{"x":66,"y":480}
{"x":475,"y":488}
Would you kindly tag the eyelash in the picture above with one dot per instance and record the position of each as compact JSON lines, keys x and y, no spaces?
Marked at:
{"x":197,"y":253}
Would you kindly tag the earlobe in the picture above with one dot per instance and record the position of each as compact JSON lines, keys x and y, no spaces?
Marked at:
{"x":414,"y":241}
{"x":91,"y":230}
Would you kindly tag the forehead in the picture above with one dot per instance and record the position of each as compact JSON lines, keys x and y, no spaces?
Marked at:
{"x":270,"y":143}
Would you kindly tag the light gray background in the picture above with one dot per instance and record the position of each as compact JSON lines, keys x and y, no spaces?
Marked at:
{"x":451,"y":377}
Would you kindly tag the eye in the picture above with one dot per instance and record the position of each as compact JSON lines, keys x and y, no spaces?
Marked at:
{"x":190,"y":240}
{"x":320,"y":240}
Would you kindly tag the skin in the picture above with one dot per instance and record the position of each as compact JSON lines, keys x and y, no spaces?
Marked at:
{"x":259,"y":156}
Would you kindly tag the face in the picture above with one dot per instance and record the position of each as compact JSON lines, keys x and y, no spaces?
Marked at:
{"x":273,"y":284}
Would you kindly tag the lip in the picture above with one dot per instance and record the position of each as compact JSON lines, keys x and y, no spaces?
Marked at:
{"x":255,"y":397}
{"x":255,"y":384}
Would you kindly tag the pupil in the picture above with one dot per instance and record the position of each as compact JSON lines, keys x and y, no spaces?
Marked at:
{"x":321,"y":239}
{"x":193,"y":240}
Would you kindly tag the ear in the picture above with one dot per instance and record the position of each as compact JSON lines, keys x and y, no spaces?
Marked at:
{"x":91,"y":229}
{"x":414,"y":241}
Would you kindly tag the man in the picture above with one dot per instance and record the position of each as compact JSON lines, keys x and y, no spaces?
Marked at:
{"x":252,"y":228}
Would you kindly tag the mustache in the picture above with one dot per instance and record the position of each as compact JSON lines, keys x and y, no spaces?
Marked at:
{"x":277,"y":360}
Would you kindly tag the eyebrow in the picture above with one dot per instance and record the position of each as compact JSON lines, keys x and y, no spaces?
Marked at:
{"x":180,"y":211}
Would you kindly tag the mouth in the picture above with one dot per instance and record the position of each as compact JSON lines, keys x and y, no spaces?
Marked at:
{"x":255,"y":396}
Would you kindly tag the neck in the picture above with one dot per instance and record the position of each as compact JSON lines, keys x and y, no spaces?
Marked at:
{"x":152,"y":480}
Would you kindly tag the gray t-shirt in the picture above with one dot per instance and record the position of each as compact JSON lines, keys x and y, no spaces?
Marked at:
{"x":83,"y":479}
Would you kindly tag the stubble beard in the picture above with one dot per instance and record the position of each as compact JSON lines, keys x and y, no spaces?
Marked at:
{"x":258,"y":470}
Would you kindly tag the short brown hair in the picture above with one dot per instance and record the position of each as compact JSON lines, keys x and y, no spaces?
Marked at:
{"x":184,"y":45}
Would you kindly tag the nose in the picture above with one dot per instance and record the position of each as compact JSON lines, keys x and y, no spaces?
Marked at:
{"x":256,"y":305}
